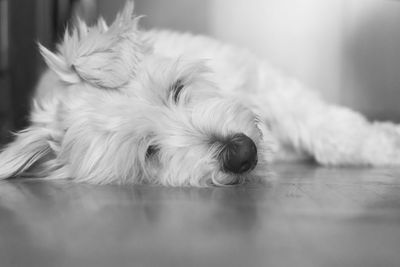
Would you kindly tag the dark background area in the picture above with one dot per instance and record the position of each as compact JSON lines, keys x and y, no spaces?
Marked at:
{"x":23,"y":24}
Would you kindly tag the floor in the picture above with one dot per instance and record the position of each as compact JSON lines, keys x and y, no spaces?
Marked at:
{"x":303,"y":215}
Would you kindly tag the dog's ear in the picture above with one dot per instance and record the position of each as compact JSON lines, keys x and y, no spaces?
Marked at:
{"x":30,"y":147}
{"x":103,"y":56}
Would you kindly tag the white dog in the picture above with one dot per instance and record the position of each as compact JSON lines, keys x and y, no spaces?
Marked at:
{"x":121,"y":105}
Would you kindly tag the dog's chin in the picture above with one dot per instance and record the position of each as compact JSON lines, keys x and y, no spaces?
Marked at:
{"x":227,"y":179}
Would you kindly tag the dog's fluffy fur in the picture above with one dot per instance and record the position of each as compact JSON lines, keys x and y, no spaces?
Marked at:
{"x":108,"y":111}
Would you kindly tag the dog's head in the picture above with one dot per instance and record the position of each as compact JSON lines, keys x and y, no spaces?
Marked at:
{"x":119,"y":112}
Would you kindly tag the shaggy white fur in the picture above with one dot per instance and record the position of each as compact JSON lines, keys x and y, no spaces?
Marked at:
{"x":121,"y":105}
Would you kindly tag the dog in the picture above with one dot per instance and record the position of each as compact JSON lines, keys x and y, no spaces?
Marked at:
{"x":123,"y":105}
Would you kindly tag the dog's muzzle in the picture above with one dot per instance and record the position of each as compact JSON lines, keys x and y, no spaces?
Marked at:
{"x":239,"y":154}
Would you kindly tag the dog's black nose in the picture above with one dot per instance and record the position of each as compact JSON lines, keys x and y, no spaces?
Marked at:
{"x":239,"y":154}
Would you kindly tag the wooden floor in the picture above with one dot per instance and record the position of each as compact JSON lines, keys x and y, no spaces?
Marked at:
{"x":302,"y":216}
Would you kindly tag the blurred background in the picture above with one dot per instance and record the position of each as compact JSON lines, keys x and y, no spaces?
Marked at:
{"x":347,"y":49}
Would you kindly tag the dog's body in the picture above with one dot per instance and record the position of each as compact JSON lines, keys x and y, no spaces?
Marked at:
{"x":119,"y":105}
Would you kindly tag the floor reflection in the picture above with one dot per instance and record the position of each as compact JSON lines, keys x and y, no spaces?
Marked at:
{"x":306,"y":216}
{"x":54,"y":220}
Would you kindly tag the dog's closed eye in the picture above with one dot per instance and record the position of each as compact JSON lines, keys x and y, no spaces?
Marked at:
{"x":151,"y":151}
{"x":176,"y":90}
